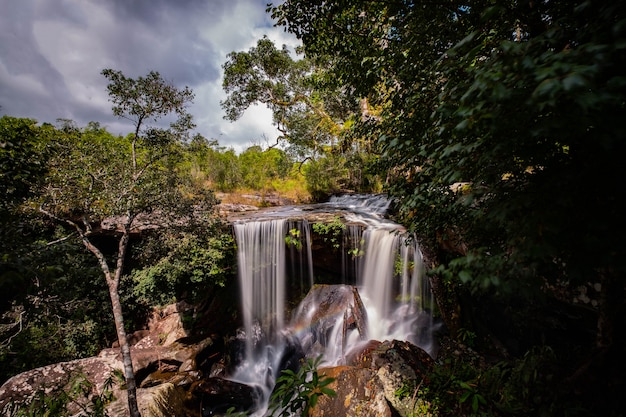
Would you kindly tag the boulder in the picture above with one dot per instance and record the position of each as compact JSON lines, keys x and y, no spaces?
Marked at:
{"x":164,"y":400}
{"x":401,"y":368}
{"x":166,"y":363}
{"x":359,"y":394}
{"x":380,"y":379}
{"x":95,"y":373}
{"x":218,"y":395}
{"x":320,"y":311}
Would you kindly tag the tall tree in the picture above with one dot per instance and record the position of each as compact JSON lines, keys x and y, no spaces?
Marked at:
{"x":95,"y":176}
{"x":501,"y":125}
{"x":308,"y":117}
{"x":313,"y":111}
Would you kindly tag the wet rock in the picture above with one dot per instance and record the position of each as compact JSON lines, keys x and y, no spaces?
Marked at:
{"x":322,"y":309}
{"x":292,"y":355}
{"x":218,"y":395}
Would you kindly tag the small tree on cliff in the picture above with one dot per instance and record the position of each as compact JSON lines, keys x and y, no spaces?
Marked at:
{"x":95,"y":175}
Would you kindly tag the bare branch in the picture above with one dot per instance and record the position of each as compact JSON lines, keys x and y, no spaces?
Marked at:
{"x":21,"y":325}
{"x":63,"y":239}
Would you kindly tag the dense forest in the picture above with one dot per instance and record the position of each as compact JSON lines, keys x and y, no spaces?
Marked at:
{"x":497,"y":129}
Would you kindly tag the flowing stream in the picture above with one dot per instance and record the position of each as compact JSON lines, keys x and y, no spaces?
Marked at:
{"x":275,"y":255}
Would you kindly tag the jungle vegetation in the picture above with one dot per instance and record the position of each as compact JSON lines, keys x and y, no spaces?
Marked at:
{"x":497,"y":128}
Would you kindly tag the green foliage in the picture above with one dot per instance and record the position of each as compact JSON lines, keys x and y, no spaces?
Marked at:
{"x":56,"y":312}
{"x":293,"y":239}
{"x":463,"y":384}
{"x":500,"y":127}
{"x":420,"y":407}
{"x":298,"y":392}
{"x":506,"y":99}
{"x":331,"y":232}
{"x":324,"y":177}
{"x":23,"y":152}
{"x":356,"y":252}
{"x":89,"y":171}
{"x":183,"y":266}
{"x":76,"y":394}
{"x":260,"y":167}
{"x":466,"y":337}
{"x":231,"y":412}
{"x":400,"y":265}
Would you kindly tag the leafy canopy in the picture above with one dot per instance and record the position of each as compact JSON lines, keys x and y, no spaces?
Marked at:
{"x":495,"y":122}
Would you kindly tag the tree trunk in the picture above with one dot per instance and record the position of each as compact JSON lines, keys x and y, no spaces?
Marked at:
{"x":113,"y":281}
{"x":129,"y":373}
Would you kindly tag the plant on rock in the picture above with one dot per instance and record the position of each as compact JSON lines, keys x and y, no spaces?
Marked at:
{"x":299,"y":391}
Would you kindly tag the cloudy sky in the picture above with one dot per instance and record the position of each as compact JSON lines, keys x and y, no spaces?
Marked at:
{"x":52,"y":53}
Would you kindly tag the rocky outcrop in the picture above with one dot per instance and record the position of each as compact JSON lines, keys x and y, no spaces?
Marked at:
{"x":359,"y":393}
{"x":179,"y":375}
{"x":376,"y":378}
{"x":380,"y":379}
{"x":320,"y":311}
{"x":92,"y":374}
{"x":167,"y":363}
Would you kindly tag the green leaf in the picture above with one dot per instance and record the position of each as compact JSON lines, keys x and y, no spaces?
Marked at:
{"x":465,"y":396}
{"x":465,"y":277}
{"x":475,"y":403}
{"x":574,"y":81}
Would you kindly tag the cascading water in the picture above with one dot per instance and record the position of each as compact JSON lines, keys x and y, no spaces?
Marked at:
{"x":261,"y":262}
{"x":263,"y":270}
{"x":389,"y":276}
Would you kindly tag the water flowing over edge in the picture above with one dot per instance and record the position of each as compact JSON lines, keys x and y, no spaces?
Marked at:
{"x":390,"y":283}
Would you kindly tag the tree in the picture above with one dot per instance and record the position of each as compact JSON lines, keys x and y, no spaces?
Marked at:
{"x":23,"y":156}
{"x":308,"y":117}
{"x":500,"y":125}
{"x":22,"y":159}
{"x":212,"y":165}
{"x":260,"y":167}
{"x":312,"y":110}
{"x":95,"y":176}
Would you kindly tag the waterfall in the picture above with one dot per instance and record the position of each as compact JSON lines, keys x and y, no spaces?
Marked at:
{"x":261,"y":263}
{"x":394,"y":288}
{"x":352,"y":251}
{"x":262,"y":251}
{"x":275,"y":254}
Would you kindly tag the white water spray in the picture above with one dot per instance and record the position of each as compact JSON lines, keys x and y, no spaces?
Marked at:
{"x":390,"y":281}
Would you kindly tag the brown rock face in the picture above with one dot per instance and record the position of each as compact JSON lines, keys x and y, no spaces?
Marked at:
{"x":359,"y":393}
{"x":23,"y":388}
{"x":381,"y":379}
